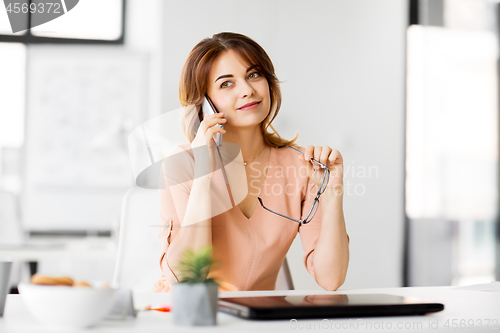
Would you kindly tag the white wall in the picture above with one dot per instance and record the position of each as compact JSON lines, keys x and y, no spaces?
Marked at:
{"x":343,"y":67}
{"x":342,"y":63}
{"x":143,"y":33}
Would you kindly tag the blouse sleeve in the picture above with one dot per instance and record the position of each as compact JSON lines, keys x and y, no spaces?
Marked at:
{"x":177,"y":174}
{"x":309,"y":232}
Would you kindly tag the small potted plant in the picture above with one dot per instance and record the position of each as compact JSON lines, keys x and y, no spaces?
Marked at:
{"x":195,"y":296}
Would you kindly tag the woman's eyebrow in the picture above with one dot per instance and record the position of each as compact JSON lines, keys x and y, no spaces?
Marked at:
{"x":231,"y":75}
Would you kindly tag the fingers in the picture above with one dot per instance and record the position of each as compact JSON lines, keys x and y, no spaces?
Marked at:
{"x":307,"y":164}
{"x":316,"y":156}
{"x":306,"y":158}
{"x":324,"y":155}
{"x":212,"y":130}
{"x":208,"y":128}
{"x":335,"y":157}
{"x":213,"y":120}
{"x":308,"y":153}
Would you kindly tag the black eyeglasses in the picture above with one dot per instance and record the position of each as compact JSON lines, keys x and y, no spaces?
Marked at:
{"x":315,"y":205}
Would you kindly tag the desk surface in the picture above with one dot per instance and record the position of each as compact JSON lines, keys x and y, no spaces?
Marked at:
{"x":466,"y":308}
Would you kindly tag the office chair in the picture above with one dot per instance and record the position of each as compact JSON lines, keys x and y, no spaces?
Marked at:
{"x":11,"y":233}
{"x":137,"y":264}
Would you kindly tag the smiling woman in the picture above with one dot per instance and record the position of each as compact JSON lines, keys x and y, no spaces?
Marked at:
{"x":250,"y":241}
{"x":240,"y":113}
{"x":230,"y":52}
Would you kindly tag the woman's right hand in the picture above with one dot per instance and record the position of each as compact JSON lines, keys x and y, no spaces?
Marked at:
{"x":205,"y":163}
{"x":207,"y":130}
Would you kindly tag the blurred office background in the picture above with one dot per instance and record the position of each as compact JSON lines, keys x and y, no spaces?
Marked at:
{"x":407,"y":91}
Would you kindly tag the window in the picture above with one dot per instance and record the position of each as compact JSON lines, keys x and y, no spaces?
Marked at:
{"x":452,"y":143}
{"x":12,"y":97}
{"x":84,"y":22}
{"x":87,"y":22}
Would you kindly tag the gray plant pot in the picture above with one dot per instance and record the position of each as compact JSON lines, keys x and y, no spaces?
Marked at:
{"x":195,"y":304}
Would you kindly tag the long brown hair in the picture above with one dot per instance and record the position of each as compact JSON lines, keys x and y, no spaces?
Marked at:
{"x":193,"y":84}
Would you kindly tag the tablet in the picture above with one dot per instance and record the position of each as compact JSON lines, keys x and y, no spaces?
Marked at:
{"x":325,"y":306}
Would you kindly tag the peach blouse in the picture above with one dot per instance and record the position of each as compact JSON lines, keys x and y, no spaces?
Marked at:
{"x":250,"y":251}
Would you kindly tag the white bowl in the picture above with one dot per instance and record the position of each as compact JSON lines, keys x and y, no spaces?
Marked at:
{"x":67,"y":307}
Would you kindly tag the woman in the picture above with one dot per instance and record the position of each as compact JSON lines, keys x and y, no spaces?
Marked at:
{"x":249,"y":241}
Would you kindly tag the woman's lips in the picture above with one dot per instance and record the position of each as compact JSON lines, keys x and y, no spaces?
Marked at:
{"x":250,"y":107}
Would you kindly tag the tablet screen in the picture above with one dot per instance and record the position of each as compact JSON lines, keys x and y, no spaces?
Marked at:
{"x":332,"y":305}
{"x":319,"y":300}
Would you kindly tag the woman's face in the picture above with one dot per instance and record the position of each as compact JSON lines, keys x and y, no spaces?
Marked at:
{"x":232,"y":84}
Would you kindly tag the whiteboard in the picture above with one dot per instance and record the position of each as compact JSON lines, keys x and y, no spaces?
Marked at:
{"x":82,"y":102}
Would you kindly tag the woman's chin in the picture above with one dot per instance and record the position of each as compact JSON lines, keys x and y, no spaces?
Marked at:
{"x":247,"y":122}
{"x":242,"y":126}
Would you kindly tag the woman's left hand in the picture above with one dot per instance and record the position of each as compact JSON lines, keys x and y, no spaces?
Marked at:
{"x":331,"y":158}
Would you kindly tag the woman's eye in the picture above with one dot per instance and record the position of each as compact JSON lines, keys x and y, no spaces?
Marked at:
{"x":227,"y":84}
{"x":255,"y":74}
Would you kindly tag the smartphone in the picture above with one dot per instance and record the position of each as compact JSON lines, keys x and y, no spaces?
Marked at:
{"x":208,"y":108}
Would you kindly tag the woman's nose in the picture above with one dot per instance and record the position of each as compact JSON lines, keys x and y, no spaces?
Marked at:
{"x":246,"y":89}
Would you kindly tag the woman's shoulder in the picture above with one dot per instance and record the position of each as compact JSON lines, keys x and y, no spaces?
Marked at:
{"x":289,"y":152}
{"x":287,"y":166}
{"x":288,"y":157}
{"x":182,"y":148}
{"x":180,"y":157}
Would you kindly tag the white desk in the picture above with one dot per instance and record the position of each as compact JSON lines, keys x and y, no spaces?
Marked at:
{"x":464,"y":305}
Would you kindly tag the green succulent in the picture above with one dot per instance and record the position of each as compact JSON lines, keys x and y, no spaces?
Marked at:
{"x":195,"y":266}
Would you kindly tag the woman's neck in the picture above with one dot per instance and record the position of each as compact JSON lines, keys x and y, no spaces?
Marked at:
{"x":250,"y":140}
